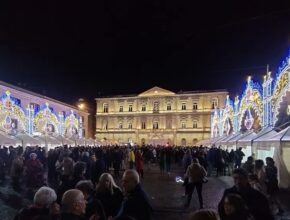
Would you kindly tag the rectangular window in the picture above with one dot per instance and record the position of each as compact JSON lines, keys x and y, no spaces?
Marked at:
{"x":183,"y":125}
{"x":183,"y":106}
{"x":120,"y":126}
{"x":105,"y":108}
{"x":130,"y":125}
{"x":130,"y":108}
{"x":143,"y":125}
{"x":195,"y":107}
{"x":194,"y":125}
{"x":168,"y":107}
{"x":156,"y":107}
{"x":121,"y":108}
{"x":143,"y":108}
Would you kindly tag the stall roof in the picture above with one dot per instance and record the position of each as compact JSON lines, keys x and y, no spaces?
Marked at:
{"x":233,"y":141}
{"x":29,"y":140}
{"x":262,"y":139}
{"x":283,"y":136}
{"x":8,"y":140}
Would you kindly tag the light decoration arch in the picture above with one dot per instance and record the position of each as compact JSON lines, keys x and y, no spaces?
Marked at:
{"x":251,"y":98}
{"x":9,"y":111}
{"x":227,"y":117}
{"x":282,"y":85}
{"x":71,"y":125}
{"x":44,"y":119}
{"x":215,"y":124}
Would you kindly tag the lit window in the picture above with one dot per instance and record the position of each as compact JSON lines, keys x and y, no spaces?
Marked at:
{"x":168,"y":107}
{"x":194,"y":124}
{"x":195,"y":107}
{"x":143,"y":108}
{"x":183,"y":106}
{"x":130,"y":108}
{"x":143,"y":125}
{"x":105,"y":108}
{"x":183,"y":125}
{"x":214,"y":103}
{"x":121,"y":108}
{"x":156,"y":107}
{"x":155,"y":125}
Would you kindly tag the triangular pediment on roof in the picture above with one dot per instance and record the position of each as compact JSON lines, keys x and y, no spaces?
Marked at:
{"x":156,"y":91}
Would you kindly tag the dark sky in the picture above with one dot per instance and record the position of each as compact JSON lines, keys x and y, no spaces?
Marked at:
{"x":72,"y":49}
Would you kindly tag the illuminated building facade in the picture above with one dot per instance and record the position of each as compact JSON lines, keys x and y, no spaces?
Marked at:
{"x":157,"y":116}
{"x":23,"y":111}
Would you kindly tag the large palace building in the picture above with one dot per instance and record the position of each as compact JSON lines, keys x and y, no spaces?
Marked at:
{"x":157,"y":116}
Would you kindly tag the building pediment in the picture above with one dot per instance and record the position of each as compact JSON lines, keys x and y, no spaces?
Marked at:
{"x":156,"y":91}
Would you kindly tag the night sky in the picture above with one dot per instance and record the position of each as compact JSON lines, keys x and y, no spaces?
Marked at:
{"x":72,"y":49}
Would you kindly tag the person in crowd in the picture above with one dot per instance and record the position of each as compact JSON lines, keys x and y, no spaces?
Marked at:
{"x":16,"y":171}
{"x":35,"y":172}
{"x":73,"y":205}
{"x":255,"y":201}
{"x":272,"y":184}
{"x":259,"y":170}
{"x":109,"y":194}
{"x":231,"y":165}
{"x":139,"y":163}
{"x":235,"y":208}
{"x":204,"y":214}
{"x":117,"y":160}
{"x":255,"y":184}
{"x":239,"y":157}
{"x":195,"y":174}
{"x":43,"y":205}
{"x":136,"y":203}
{"x":186,"y":160}
{"x":249,"y":165}
{"x":131,"y":158}
{"x":100,"y":166}
{"x":94,"y":206}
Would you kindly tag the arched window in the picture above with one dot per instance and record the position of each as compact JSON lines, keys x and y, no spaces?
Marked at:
{"x":194,"y":124}
{"x":183,"y":142}
{"x":215,"y":102}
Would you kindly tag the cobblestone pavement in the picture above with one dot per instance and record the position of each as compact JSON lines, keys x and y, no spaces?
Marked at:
{"x":165,"y":195}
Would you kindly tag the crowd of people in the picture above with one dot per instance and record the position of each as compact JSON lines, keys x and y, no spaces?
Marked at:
{"x":80,"y":182}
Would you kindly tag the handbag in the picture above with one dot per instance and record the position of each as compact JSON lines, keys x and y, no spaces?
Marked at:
{"x":204,"y":179}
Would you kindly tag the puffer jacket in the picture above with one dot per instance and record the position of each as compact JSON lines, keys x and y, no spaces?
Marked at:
{"x":195,"y":173}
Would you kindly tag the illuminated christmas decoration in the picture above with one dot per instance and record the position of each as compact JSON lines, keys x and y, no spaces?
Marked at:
{"x":215,"y":124}
{"x":45,"y":121}
{"x":251,"y":99}
{"x":281,"y":87}
{"x":12,"y":117}
{"x":71,"y":125}
{"x":227,"y":117}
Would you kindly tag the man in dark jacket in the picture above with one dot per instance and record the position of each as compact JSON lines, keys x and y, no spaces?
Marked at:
{"x":256,"y":201}
{"x":136,"y":203}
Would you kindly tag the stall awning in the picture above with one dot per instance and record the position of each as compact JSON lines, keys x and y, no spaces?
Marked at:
{"x":7,"y":140}
{"x":262,"y":140}
{"x":28,"y":140}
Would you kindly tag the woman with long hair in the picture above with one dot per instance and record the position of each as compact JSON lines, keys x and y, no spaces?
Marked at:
{"x":109,"y":194}
{"x":235,"y":208}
